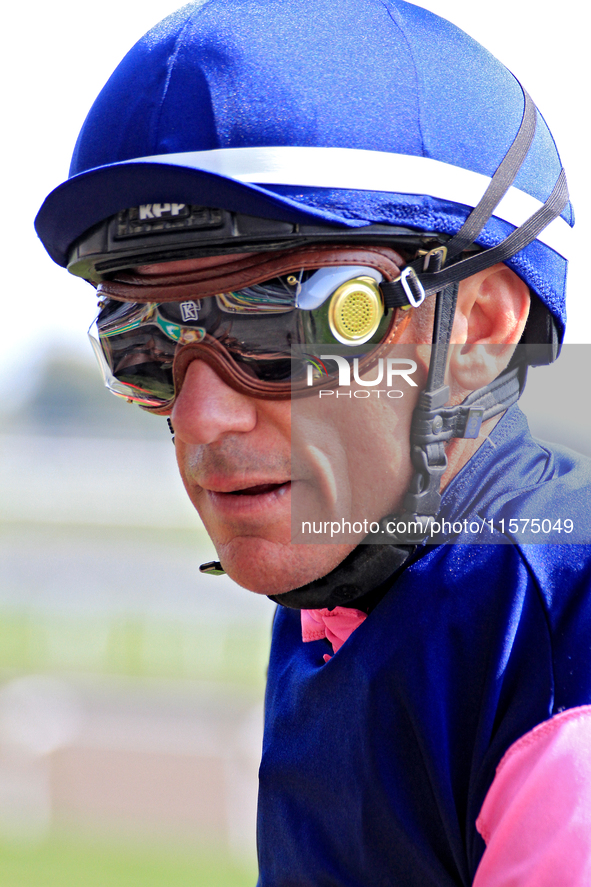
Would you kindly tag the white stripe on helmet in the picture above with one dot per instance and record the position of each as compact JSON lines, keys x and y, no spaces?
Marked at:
{"x":361,"y":170}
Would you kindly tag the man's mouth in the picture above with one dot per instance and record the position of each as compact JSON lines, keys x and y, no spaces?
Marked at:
{"x":250,"y":501}
{"x":259,"y":489}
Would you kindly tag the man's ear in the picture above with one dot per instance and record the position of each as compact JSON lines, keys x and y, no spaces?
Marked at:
{"x":491,"y":313}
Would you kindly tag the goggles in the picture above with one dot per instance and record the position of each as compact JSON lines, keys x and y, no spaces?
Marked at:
{"x":249,"y":335}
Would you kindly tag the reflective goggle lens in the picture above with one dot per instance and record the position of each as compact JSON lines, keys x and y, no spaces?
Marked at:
{"x":257,"y":327}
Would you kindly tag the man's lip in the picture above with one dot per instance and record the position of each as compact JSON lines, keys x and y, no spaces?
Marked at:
{"x":250,"y":502}
{"x":256,"y":490}
{"x":240,"y":488}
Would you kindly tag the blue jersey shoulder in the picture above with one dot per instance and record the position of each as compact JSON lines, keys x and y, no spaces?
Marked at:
{"x":521,"y":491}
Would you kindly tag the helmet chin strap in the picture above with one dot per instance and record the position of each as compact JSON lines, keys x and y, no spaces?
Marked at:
{"x":434,"y":424}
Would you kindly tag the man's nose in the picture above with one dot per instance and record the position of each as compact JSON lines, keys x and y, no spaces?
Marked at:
{"x":206,"y":408}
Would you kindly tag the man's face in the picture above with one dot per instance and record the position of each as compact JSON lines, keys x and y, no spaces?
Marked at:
{"x":236,"y":460}
{"x":271,"y":478}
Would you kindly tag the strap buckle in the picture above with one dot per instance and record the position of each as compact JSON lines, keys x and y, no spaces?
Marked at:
{"x":439,"y":252}
{"x":412,"y":286}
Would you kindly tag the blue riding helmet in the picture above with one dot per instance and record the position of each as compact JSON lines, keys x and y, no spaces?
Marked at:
{"x":384,"y":114}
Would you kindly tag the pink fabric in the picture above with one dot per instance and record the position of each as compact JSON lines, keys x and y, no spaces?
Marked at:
{"x":336,"y":625}
{"x":536,"y":817}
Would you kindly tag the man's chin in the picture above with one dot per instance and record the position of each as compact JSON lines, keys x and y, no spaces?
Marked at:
{"x":266,"y":567}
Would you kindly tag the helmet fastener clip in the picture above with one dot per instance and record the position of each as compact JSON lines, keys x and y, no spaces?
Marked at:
{"x":412,"y":287}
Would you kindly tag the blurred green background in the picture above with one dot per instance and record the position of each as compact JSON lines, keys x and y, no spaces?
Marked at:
{"x":131,"y":686}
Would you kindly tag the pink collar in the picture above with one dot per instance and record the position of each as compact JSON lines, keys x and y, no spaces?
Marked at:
{"x":334,"y":625}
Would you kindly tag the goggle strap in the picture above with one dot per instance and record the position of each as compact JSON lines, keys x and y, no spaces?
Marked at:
{"x":394,"y":292}
{"x":246,"y":271}
{"x":214,"y":354}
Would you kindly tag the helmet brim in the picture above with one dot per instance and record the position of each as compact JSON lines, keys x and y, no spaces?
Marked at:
{"x":86,"y":199}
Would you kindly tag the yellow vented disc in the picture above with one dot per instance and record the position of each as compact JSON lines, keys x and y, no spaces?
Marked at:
{"x":355,"y":311}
